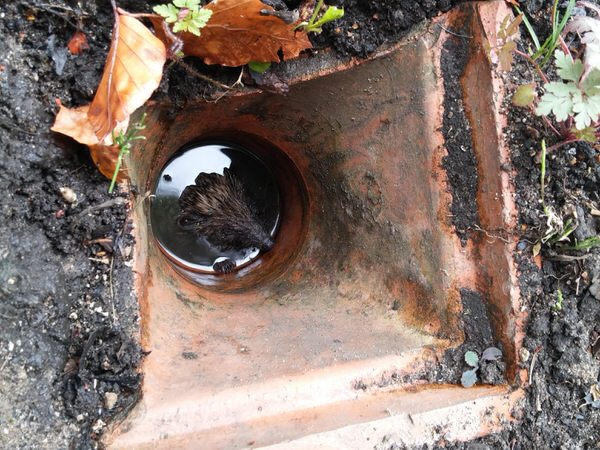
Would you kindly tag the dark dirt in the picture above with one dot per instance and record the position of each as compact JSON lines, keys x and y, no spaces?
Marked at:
{"x":68,"y":317}
{"x":460,"y":164}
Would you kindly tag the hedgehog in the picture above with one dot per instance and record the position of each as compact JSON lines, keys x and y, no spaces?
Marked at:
{"x":217,"y":208}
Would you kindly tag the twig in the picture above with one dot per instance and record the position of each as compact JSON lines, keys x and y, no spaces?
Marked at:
{"x":11,"y":126}
{"x":533,"y":63}
{"x":568,"y":258}
{"x":560,"y":144}
{"x":4,"y":363}
{"x":195,"y":73}
{"x":453,"y":33}
{"x":117,"y":201}
{"x":238,"y":82}
{"x":112,"y":292}
{"x":50,"y":9}
{"x":532,"y":365}
{"x":491,"y":236}
{"x":4,"y":316}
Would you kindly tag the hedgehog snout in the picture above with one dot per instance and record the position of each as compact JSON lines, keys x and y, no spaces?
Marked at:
{"x":267,"y":244}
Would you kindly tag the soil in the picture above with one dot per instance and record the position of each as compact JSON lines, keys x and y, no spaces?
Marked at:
{"x":69,"y":321}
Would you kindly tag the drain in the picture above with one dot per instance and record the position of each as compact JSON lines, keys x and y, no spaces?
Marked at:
{"x":216,"y":207}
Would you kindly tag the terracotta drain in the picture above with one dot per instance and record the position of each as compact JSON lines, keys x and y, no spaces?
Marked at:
{"x":328,"y":338}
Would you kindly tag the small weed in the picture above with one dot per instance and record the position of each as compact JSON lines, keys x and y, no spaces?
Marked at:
{"x":469,"y":377}
{"x":124,"y":140}
{"x":544,"y":52}
{"x":557,"y":229}
{"x":558,"y":305}
{"x":185,"y":15}
{"x":586,"y":244}
{"x":315,"y":24}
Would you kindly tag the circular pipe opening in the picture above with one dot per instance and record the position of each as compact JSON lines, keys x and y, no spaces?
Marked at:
{"x":246,"y":240}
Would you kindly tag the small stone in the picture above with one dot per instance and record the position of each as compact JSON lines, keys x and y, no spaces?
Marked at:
{"x":11,"y":281}
{"x":68,"y":194}
{"x":524,"y":354}
{"x":11,"y":346}
{"x":80,"y":418}
{"x":110,"y":400}
{"x":98,"y":426}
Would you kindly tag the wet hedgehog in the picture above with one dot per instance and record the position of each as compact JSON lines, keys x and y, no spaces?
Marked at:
{"x":217,"y":208}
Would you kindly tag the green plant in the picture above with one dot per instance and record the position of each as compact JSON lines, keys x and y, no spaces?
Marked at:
{"x":315,"y":23}
{"x":124,"y":140}
{"x":559,"y":301}
{"x":557,"y":229}
{"x":469,"y":377}
{"x":544,"y":51}
{"x":574,"y":99}
{"x":586,"y":244}
{"x":185,"y":15}
{"x":259,"y":67}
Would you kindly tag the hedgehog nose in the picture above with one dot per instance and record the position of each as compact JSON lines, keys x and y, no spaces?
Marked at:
{"x":267,"y":245}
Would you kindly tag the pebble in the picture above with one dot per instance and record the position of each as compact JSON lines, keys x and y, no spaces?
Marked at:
{"x":524,"y":354}
{"x":68,"y":194}
{"x":98,"y":426}
{"x":110,"y":400}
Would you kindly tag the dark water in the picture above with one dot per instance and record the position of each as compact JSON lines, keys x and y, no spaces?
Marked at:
{"x":185,"y":246}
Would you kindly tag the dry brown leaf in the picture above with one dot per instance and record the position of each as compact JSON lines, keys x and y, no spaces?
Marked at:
{"x":78,"y":43}
{"x":133,"y":71}
{"x":105,"y":159}
{"x":74,"y":123}
{"x":237,"y":33}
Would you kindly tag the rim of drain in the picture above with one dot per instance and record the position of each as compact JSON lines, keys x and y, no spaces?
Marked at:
{"x":283,"y":212}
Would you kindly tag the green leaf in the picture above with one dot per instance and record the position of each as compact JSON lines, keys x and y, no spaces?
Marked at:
{"x":259,"y":67}
{"x":190,"y":4}
{"x":169,"y":12}
{"x":591,"y":83}
{"x":567,"y":68}
{"x":587,"y":110}
{"x":179,"y":26}
{"x":332,"y":13}
{"x":587,"y":134}
{"x":469,"y":378}
{"x":558,"y":100}
{"x":192,"y":28}
{"x":201,"y":17}
{"x":524,"y":95}
{"x":471,"y":358}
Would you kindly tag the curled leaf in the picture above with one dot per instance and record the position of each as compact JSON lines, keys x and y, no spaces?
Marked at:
{"x":74,"y":123}
{"x":132,"y":72}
